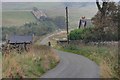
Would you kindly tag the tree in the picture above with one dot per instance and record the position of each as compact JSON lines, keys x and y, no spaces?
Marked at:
{"x":118,"y":20}
{"x":102,"y":8}
{"x":104,"y":20}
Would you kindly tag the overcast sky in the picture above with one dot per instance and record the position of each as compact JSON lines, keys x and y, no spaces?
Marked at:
{"x":51,"y":0}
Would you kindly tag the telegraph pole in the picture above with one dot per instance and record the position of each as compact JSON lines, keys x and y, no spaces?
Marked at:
{"x":67,"y":24}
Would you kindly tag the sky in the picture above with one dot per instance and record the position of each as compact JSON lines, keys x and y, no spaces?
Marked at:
{"x":52,"y":0}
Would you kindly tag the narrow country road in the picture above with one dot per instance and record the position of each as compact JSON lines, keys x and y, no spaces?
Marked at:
{"x":72,"y":66}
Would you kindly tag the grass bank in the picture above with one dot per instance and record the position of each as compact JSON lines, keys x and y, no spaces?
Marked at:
{"x":30,"y":64}
{"x":105,"y":56}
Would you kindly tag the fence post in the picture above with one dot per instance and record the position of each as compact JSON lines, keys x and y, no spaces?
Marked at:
{"x":49,"y":43}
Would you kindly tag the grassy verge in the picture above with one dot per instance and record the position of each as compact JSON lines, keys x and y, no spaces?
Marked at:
{"x":106,"y":57}
{"x":30,"y":64}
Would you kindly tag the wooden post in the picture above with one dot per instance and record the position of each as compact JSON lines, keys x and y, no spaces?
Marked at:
{"x":67,"y":24}
{"x":49,"y":43}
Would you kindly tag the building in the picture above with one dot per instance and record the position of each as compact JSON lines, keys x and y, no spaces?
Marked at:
{"x":20,"y":39}
{"x":20,"y":43}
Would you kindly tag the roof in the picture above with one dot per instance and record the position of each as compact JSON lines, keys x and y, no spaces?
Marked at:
{"x":20,"y":39}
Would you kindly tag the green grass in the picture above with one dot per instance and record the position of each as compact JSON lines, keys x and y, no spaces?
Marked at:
{"x":105,"y":56}
{"x":16,"y":18}
{"x":87,"y":51}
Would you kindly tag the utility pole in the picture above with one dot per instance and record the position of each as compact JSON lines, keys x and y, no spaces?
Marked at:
{"x":67,"y":24}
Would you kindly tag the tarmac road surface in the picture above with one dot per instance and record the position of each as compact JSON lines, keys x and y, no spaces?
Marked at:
{"x":72,"y":65}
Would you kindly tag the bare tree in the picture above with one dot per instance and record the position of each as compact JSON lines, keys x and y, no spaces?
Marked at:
{"x":102,"y":8}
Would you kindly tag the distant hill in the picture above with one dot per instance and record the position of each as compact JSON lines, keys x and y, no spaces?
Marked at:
{"x":53,"y":9}
{"x":44,"y":5}
{"x":28,"y":5}
{"x":17,"y":18}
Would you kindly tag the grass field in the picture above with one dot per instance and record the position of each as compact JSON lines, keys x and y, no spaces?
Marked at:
{"x":16,"y":18}
{"x":17,"y":15}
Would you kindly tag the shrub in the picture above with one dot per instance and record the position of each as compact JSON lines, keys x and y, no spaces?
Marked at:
{"x":76,"y":34}
{"x":93,"y":34}
{"x":82,"y":34}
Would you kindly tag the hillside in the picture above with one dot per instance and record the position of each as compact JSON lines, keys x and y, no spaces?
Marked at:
{"x":76,"y":10}
{"x":28,"y":5}
{"x":16,"y":18}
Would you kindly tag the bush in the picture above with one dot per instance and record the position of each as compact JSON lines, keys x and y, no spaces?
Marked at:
{"x":76,"y":34}
{"x":82,"y":34}
{"x":93,"y":34}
